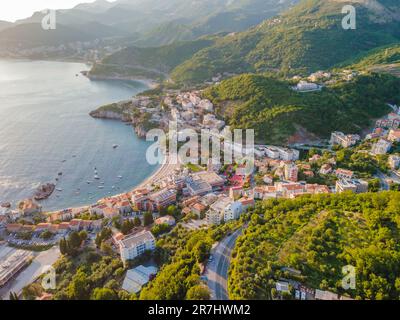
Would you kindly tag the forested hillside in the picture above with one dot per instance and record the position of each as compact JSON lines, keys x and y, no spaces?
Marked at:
{"x":307,"y":38}
{"x":275,"y":111}
{"x":318,"y":236}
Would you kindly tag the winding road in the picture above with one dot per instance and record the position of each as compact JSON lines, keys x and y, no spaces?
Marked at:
{"x":217,"y":270}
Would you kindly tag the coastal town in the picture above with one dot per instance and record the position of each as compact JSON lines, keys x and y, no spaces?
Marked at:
{"x":199,"y":196}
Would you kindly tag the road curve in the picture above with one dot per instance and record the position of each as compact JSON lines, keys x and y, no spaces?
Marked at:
{"x":217,"y":270}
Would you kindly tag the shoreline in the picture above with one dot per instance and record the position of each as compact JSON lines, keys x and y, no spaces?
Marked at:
{"x":155,"y":175}
{"x":152,"y":84}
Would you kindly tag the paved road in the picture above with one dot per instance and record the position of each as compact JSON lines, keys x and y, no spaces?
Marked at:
{"x":31,"y":273}
{"x":217,"y":270}
{"x":384,"y":183}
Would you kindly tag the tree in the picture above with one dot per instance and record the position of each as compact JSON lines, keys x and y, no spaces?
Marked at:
{"x":78,"y":289}
{"x":137,"y":222}
{"x":374,"y":185}
{"x":46,"y":235}
{"x":106,"y":248}
{"x":127,"y":226}
{"x":148,"y":219}
{"x":104,"y":294}
{"x":83,"y":235}
{"x":104,"y":234}
{"x":74,"y":240}
{"x":198,"y":292}
{"x":202,"y":251}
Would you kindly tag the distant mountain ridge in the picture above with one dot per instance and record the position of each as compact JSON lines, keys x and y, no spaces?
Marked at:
{"x":155,"y":22}
{"x":307,"y":38}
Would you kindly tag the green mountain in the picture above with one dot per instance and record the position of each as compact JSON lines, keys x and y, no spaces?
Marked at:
{"x":307,"y":38}
{"x":383,"y":59}
{"x":276,"y":112}
{"x":153,"y":63}
{"x":154,"y":22}
{"x":31,"y":35}
{"x":318,"y":236}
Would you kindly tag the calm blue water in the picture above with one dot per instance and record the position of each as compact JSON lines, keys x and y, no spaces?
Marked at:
{"x":45,"y":129}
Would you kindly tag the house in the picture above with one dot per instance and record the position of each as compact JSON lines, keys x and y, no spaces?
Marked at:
{"x":344,"y":174}
{"x":291,"y":172}
{"x":268,"y":179}
{"x":198,"y":187}
{"x":236,"y":192}
{"x":124,"y":207}
{"x":41,"y":227}
{"x":14,"y":227}
{"x":136,"y":244}
{"x":346,"y":141}
{"x":138,"y":277}
{"x":383,"y":146}
{"x":353,"y":185}
{"x":110,"y":213}
{"x":309,"y":173}
{"x":394,"y":162}
{"x":223,"y":209}
{"x":213,"y":179}
{"x":166,"y":220}
{"x":394,"y":135}
{"x":198,"y":209}
{"x":247,"y":203}
{"x":325,"y":295}
{"x":289,"y":154}
{"x":75,"y":224}
{"x":163,"y":198}
{"x":306,"y":86}
{"x":282,"y":286}
{"x":326,"y":169}
{"x":314,"y":158}
{"x":265,"y":192}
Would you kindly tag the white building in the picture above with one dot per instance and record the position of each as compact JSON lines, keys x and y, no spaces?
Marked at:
{"x":307,"y":86}
{"x":381,"y":147}
{"x":394,"y":161}
{"x":223,"y":209}
{"x":136,"y":244}
{"x":356,"y":186}
{"x":136,"y":278}
{"x":346,"y":141}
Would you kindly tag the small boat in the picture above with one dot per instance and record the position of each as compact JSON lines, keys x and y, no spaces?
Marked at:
{"x":120,"y":177}
{"x":115,"y":146}
{"x":59,"y":190}
{"x":101,"y":187}
{"x":97,"y":177}
{"x":60,"y":173}
{"x":88,"y":182}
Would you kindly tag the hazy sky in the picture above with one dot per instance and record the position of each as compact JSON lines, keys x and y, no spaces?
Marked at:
{"x":11,"y":10}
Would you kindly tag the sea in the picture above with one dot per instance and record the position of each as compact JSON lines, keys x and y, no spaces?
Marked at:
{"x":46,"y":134}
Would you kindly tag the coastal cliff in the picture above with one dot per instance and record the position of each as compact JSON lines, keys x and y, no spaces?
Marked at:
{"x":143,"y":113}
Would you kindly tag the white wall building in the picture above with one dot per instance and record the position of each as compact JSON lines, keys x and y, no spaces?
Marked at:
{"x":136,"y":244}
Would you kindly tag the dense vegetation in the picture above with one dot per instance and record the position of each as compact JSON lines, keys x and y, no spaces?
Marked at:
{"x":149,"y":62}
{"x":181,"y":253}
{"x":307,"y":38}
{"x":274,"y":110}
{"x":318,"y":236}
